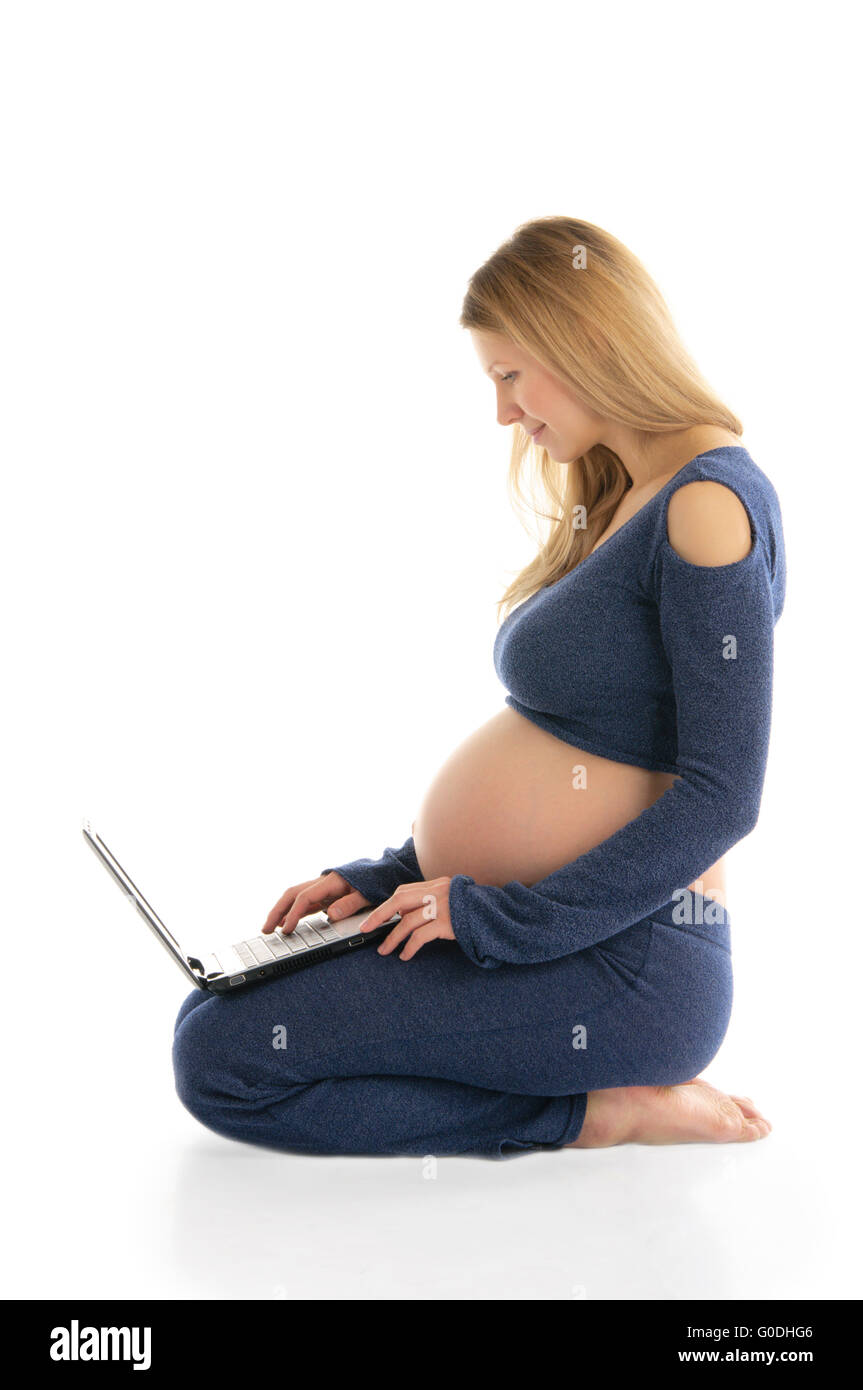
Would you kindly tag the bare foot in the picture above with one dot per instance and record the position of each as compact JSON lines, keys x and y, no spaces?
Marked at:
{"x":692,"y":1113}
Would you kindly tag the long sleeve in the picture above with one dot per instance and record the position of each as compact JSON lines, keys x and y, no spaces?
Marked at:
{"x":716,"y":626}
{"x":377,"y":879}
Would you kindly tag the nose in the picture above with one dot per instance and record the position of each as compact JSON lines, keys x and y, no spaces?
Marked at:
{"x":508,"y":413}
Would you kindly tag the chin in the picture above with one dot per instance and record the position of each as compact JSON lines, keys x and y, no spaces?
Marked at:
{"x":559,"y":455}
{"x":568,"y":455}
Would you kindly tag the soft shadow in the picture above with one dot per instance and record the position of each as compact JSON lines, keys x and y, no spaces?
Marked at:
{"x":634,"y":1222}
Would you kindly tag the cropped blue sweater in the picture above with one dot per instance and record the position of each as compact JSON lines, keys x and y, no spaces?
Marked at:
{"x":644,"y":658}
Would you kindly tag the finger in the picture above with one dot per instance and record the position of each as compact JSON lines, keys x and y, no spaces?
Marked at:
{"x":347,"y":906}
{"x":400,"y":931}
{"x":309,"y":900}
{"x":407,"y":897}
{"x":277,"y":913}
{"x":378,"y":914}
{"x":427,"y":932}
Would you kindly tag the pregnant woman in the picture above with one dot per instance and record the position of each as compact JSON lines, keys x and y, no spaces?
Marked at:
{"x":560,"y":972}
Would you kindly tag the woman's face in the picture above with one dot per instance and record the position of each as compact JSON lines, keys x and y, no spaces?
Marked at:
{"x":529,"y":396}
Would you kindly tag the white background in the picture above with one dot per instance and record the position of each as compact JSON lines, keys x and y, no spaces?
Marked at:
{"x":254,"y":525}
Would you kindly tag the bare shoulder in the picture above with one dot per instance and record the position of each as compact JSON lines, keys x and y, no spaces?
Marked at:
{"x":708,"y":524}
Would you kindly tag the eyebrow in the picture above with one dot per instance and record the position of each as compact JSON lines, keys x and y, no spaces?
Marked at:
{"x":492,"y":364}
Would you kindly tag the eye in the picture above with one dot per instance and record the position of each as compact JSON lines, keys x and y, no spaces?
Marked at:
{"x":507,"y":376}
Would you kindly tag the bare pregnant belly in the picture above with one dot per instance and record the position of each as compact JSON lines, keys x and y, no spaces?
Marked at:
{"x":512,"y":803}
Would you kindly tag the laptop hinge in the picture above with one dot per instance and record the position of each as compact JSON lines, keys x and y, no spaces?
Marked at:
{"x":214,"y":971}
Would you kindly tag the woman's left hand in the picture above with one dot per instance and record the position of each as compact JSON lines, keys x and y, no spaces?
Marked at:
{"x":424,"y":910}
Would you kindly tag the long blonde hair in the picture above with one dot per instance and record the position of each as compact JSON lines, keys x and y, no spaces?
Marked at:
{"x":604,"y":330}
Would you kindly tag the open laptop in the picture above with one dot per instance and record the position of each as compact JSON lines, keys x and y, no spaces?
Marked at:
{"x":250,"y":962}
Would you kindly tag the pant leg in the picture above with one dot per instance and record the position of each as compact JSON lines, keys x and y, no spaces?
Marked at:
{"x":368,"y":1054}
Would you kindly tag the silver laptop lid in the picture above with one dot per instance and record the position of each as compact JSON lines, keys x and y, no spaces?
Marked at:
{"x":155,"y":924}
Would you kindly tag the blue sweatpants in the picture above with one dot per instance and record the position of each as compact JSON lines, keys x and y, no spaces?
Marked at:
{"x":369,"y":1054}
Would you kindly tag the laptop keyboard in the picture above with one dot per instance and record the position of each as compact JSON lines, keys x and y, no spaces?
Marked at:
{"x":260,"y":950}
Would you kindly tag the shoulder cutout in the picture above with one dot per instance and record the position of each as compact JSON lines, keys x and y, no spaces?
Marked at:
{"x":708,"y":524}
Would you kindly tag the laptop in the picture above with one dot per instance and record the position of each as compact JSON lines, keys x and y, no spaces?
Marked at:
{"x":314,"y":939}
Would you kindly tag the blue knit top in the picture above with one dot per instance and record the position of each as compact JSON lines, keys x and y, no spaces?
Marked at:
{"x":639,"y":656}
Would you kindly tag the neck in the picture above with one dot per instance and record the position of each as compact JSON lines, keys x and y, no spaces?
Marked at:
{"x":664,"y":453}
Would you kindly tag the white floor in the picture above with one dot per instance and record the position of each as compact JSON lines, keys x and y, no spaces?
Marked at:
{"x":117,"y":1191}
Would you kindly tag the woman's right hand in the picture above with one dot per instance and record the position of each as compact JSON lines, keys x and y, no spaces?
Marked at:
{"x":329,"y":891}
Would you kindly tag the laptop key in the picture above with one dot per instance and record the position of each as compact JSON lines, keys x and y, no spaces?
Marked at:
{"x":309,"y":934}
{"x":277,"y":946}
{"x":295,"y":943}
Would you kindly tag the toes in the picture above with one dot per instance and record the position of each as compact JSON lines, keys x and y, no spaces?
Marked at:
{"x":750,"y":1111}
{"x":757,"y":1129}
{"x":734,"y":1125}
{"x":754,"y":1127}
{"x":747,"y":1105}
{"x":730,"y":1123}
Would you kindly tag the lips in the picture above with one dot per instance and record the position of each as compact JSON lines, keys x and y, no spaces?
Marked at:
{"x":538,"y":430}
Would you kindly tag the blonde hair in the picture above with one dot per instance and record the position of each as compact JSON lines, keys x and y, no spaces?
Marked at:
{"x":606,"y":332}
